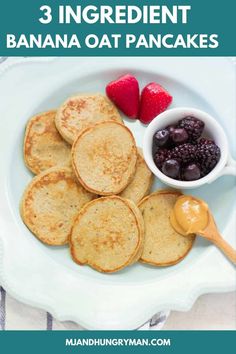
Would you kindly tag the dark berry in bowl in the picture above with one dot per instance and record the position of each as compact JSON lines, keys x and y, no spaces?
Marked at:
{"x":161,"y":137}
{"x":171,"y":128}
{"x":171,"y":168}
{"x":179,"y":135}
{"x":181,"y":152}
{"x":193,"y":126}
{"x":161,"y":156}
{"x":207,"y":156}
{"x":185,"y":153}
{"x":191,"y":172}
{"x":205,"y":141}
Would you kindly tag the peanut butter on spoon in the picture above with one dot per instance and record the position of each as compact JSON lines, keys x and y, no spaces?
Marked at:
{"x":192,"y":215}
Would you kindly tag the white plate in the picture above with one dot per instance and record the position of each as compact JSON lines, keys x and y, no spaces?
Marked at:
{"x":45,"y":276}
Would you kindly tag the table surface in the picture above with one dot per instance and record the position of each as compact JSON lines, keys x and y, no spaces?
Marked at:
{"x":211,"y":311}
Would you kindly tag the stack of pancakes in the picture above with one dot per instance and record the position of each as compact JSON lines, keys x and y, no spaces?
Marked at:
{"x":91,"y":186}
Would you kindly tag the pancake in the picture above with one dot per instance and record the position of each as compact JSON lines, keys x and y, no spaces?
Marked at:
{"x":163,"y":246}
{"x":83,"y":111}
{"x":104,"y":158}
{"x":101,"y":240}
{"x":141,"y":183}
{"x":43,"y":145}
{"x":140,"y":220}
{"x":50,"y":204}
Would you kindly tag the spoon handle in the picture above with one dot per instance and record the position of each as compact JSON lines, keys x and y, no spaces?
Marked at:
{"x":225,"y":248}
{"x":212,"y":234}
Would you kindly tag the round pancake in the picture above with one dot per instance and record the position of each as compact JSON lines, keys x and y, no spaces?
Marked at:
{"x":141,"y":183}
{"x":50,"y":204}
{"x":104,"y":158}
{"x":43,"y":145}
{"x":140,"y":220}
{"x":163,"y":246}
{"x":99,"y":238}
{"x":82,"y":111}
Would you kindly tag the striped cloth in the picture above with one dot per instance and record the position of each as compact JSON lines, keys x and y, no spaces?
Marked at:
{"x":17,"y":316}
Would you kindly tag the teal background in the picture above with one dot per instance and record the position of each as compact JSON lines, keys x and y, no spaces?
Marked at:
{"x":189,"y":342}
{"x":206,"y":16}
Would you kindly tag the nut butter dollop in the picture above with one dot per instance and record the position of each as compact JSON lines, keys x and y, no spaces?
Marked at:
{"x":189,"y":215}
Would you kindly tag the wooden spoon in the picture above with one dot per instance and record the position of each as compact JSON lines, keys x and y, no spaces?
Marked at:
{"x":212,"y":234}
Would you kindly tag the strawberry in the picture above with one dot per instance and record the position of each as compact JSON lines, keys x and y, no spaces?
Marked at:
{"x":124,"y":93}
{"x":154,"y":100}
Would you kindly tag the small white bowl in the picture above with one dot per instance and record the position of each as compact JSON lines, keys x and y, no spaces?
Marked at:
{"x":213,"y":130}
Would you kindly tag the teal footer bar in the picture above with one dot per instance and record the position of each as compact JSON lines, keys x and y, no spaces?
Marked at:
{"x":36,"y":342}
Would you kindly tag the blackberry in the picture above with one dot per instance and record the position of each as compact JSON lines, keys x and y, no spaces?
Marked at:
{"x":161,"y":156}
{"x":184,"y":153}
{"x":205,"y":141}
{"x":207,"y":156}
{"x":193,"y":126}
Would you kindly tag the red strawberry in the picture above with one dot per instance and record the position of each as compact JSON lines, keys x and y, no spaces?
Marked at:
{"x":154,"y":100}
{"x":124,"y":93}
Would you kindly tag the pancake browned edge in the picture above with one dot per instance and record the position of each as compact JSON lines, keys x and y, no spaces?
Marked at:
{"x":101,"y":240}
{"x":141,"y":227}
{"x":104,"y":158}
{"x":43,"y":145}
{"x":82,"y":111}
{"x":163,"y":246}
{"x":141,"y":183}
{"x":50,"y":204}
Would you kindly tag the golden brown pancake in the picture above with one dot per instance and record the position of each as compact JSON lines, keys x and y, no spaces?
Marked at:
{"x":141,"y":183}
{"x":82,"y":111}
{"x":101,"y":240}
{"x":104,"y":158}
{"x":163,"y":246}
{"x":43,"y":145}
{"x":50,"y":204}
{"x":139,"y":217}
